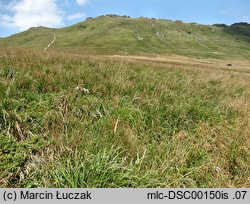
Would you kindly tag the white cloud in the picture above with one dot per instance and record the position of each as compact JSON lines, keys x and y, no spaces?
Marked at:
{"x":82,"y":2}
{"x":245,"y":19}
{"x":31,"y":13}
{"x":76,"y":16}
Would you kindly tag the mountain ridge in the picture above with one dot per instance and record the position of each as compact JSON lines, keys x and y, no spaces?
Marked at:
{"x":113,"y":34}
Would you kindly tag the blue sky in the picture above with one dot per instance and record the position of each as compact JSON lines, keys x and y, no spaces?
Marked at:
{"x":19,"y":15}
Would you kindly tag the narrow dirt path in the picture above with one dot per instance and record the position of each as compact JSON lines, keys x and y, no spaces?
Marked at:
{"x":46,"y":48}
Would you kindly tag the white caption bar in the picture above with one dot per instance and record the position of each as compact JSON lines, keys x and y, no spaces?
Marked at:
{"x":126,"y":196}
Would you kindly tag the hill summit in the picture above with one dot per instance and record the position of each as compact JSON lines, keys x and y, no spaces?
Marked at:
{"x":112,"y":34}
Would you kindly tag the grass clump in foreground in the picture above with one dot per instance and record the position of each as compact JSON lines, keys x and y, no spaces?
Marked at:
{"x":140,"y":125}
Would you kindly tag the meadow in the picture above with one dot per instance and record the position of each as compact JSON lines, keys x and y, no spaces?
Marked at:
{"x":93,"y":121}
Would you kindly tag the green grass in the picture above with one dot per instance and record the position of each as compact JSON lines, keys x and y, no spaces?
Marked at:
{"x":141,"y":125}
{"x":14,"y":156}
{"x":120,"y":35}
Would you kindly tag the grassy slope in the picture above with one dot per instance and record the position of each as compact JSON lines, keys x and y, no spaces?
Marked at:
{"x":119,"y":35}
{"x":142,"y":125}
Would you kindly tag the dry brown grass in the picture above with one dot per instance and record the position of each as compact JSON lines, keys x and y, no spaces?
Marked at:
{"x":181,"y":61}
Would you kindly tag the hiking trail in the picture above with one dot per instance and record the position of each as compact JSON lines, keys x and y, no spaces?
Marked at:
{"x":53,"y":41}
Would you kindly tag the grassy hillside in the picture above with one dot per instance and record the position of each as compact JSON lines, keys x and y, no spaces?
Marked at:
{"x":74,"y":121}
{"x":142,"y":36}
